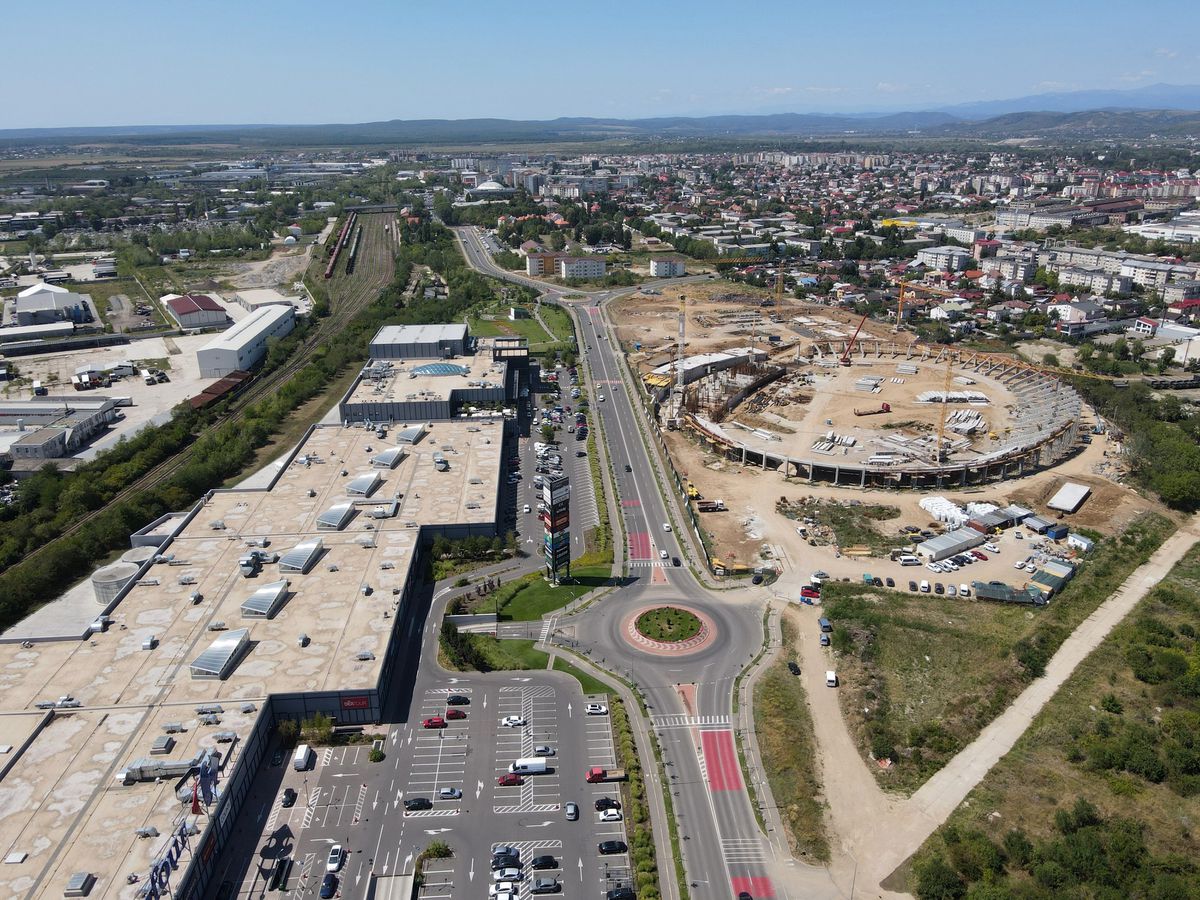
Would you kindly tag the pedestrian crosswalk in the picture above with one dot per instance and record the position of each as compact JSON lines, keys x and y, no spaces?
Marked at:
{"x":743,"y":850}
{"x":648,"y":563}
{"x":689,"y":721}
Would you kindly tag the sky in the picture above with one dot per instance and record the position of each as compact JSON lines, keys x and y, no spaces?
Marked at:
{"x":128,"y":62}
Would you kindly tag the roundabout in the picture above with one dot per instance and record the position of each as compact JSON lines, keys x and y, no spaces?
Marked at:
{"x":668,"y":629}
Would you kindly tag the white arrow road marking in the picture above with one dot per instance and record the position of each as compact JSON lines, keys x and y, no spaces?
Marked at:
{"x":541,"y":824}
{"x":399,"y":794}
{"x":358,"y":874}
{"x":471,"y":873}
{"x":408,"y":861}
{"x":375,"y":802}
{"x":388,"y":858}
{"x":395,"y":734}
{"x":478,"y":789}
{"x":432,"y":831}
{"x":569,"y":713}
{"x":580,"y":868}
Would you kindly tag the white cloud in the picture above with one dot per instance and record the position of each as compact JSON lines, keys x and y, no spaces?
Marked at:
{"x":773,"y":91}
{"x":1166,"y":52}
{"x":1054,"y":86}
{"x":1133,"y":77}
{"x":818,"y":89}
{"x":891,"y":87}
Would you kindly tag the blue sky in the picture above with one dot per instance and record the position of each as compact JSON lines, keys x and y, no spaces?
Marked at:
{"x":124,"y":62}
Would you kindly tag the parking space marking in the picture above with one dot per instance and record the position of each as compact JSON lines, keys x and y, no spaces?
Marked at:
{"x":431,"y":813}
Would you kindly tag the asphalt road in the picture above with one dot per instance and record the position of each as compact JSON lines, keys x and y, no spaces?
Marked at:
{"x":690,"y":696}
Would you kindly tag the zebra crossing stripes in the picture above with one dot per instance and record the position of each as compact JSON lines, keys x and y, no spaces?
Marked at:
{"x":689,"y":721}
{"x":743,"y":850}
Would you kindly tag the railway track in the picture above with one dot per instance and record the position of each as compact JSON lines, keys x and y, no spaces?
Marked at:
{"x":347,"y":299}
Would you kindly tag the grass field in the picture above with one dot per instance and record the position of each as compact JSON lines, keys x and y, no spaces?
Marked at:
{"x":923,"y":674}
{"x":1118,"y":735}
{"x":558,"y":320}
{"x":589,"y":684}
{"x":509,"y":654}
{"x":785,"y":741}
{"x":526,"y":328}
{"x":533,"y":596}
{"x":852,"y":525}
{"x":667,"y":623}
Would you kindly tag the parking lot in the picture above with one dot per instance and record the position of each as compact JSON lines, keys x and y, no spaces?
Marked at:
{"x":449,"y":773}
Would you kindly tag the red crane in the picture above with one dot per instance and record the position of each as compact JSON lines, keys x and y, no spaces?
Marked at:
{"x":845,"y":360}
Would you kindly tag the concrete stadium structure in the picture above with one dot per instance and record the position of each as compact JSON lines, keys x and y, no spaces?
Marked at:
{"x":1042,"y":428}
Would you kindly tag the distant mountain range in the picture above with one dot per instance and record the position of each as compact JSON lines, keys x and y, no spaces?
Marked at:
{"x":1161,"y":109}
{"x":1153,"y":96}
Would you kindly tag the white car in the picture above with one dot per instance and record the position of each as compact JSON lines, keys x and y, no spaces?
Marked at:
{"x":601,"y":398}
{"x":513,"y":721}
{"x":662,"y":554}
{"x":335,"y":858}
{"x":951,"y":591}
{"x":450,"y":794}
{"x":610,"y":815}
{"x":991,"y":548}
{"x":933,"y":567}
{"x":1019,"y":564}
{"x":818,"y":576}
{"x":527,"y":507}
{"x":964,"y":591}
{"x":506,"y":875}
{"x":502,"y":887}
{"x":596,"y":709}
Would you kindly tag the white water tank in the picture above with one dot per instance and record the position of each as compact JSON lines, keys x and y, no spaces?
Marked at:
{"x":109,"y":581}
{"x":139,"y":555}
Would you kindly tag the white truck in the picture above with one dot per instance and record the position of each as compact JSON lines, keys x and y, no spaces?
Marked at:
{"x":533,"y":766}
{"x":302,"y":759}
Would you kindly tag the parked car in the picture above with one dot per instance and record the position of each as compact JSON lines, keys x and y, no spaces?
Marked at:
{"x":611,"y":815}
{"x":412,"y":804}
{"x":889,"y":581}
{"x":964,"y":590}
{"x":951,"y":591}
{"x":544,"y":886}
{"x":450,"y":793}
{"x":543,"y":862}
{"x":912,"y":585}
{"x":289,"y":798}
{"x":924,"y":587}
{"x":938,"y":588}
{"x":434,"y":722}
{"x":513,"y":721}
{"x":793,"y":668}
{"x":334,"y":861}
{"x":328,"y":886}
{"x":824,"y":638}
{"x":607,"y":803}
{"x":607,"y":848}
{"x":572,"y":811}
{"x":596,"y":709}
{"x":453,"y":713}
{"x":510,"y":779}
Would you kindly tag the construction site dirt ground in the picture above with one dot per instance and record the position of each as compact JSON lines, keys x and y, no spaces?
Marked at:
{"x":753,"y":533}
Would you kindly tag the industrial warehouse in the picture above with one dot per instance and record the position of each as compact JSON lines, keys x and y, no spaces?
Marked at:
{"x":253,"y":606}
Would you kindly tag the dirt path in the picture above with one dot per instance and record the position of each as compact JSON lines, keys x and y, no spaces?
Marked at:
{"x":875,"y":832}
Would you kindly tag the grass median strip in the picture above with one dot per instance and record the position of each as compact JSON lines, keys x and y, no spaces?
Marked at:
{"x":590,"y":684}
{"x":785,"y":742}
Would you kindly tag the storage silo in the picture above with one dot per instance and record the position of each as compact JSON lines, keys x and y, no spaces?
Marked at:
{"x":109,"y":581}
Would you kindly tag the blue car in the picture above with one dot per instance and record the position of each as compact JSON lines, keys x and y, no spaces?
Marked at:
{"x":329,"y":886}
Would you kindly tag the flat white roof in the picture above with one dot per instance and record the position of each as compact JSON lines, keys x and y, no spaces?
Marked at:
{"x":1069,"y":497}
{"x":420,"y":334}
{"x":254,"y":324}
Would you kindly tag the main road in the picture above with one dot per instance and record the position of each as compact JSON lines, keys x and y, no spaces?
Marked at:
{"x":690,"y":695}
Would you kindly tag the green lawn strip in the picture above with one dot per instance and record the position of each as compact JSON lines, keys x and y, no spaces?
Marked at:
{"x":509,"y":654}
{"x":589,"y":683}
{"x":923,"y":674}
{"x":642,"y":857}
{"x":1098,"y":796}
{"x":785,"y":742}
{"x":558,"y":320}
{"x":532,"y":596}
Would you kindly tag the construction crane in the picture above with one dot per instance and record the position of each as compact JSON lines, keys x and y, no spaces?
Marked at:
{"x":845,"y":360}
{"x":677,"y":391}
{"x":941,"y":441}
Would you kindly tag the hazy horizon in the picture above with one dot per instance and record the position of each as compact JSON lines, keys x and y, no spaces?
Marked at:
{"x":378,"y":61}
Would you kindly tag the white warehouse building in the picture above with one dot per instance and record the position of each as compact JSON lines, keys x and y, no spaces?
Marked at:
{"x":243,"y":345}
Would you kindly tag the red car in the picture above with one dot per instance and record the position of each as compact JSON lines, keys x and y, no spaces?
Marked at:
{"x":434,"y":722}
{"x":979,"y":555}
{"x":811,"y":593}
{"x":509,"y":780}
{"x":453,"y":713}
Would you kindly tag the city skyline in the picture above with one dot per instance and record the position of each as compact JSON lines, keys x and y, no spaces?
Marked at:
{"x":416,"y":62}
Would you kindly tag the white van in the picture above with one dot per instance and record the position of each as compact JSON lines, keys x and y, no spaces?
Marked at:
{"x":302,"y":758}
{"x":831,"y":679}
{"x":909,"y":560}
{"x":535,"y":765}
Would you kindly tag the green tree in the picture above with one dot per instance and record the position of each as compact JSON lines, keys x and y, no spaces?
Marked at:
{"x":1166,"y":359}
